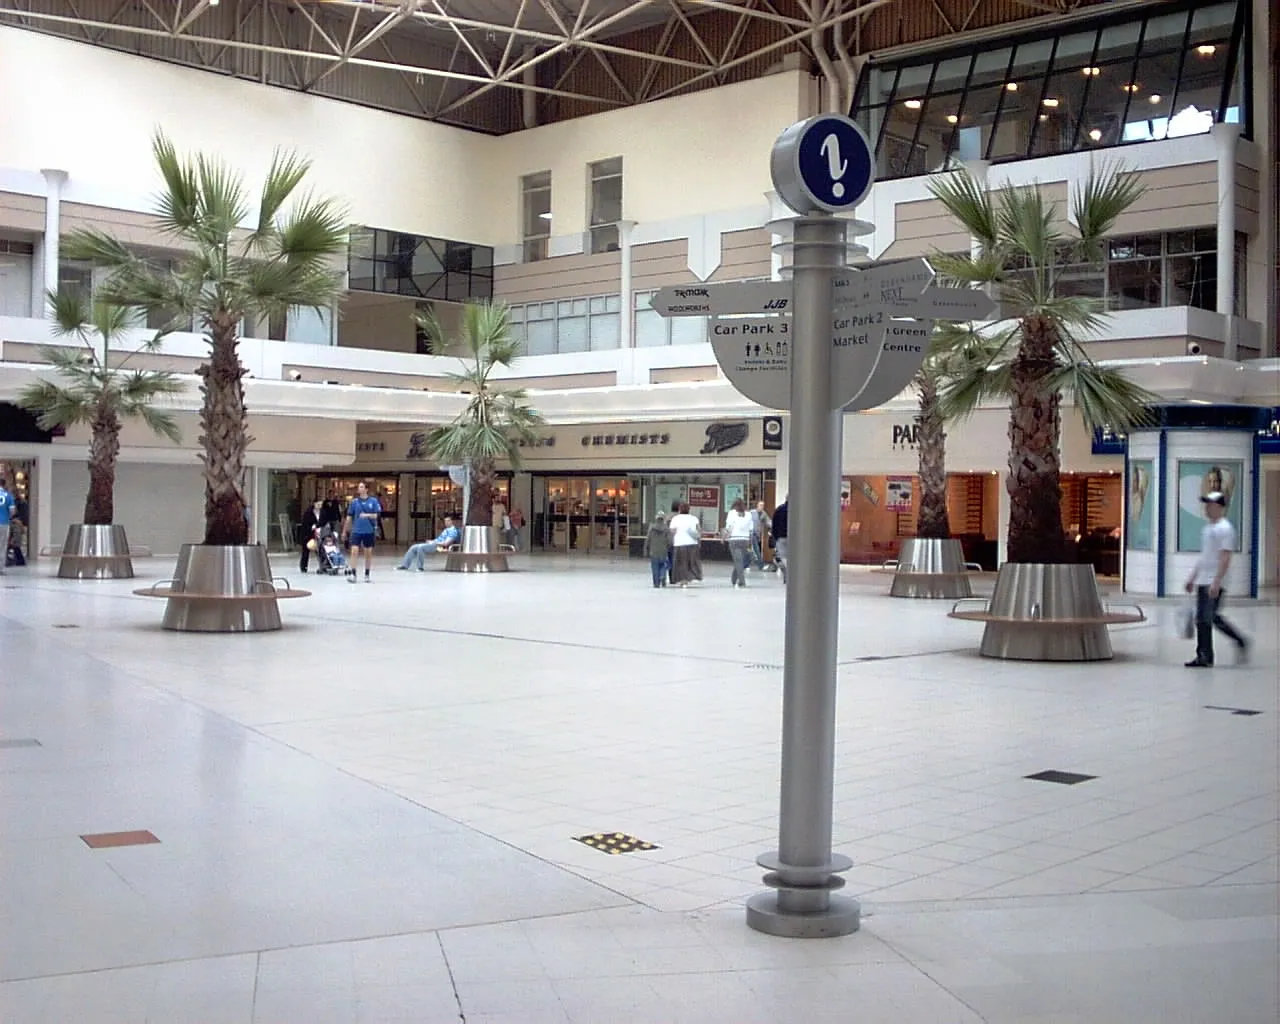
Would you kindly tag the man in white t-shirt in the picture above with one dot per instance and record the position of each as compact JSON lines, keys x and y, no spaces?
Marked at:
{"x":1217,"y":543}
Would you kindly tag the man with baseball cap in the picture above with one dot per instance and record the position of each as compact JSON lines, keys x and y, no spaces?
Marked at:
{"x":1217,"y":542}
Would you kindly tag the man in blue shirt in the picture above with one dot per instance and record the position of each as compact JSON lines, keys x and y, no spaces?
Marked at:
{"x":361,"y":527}
{"x":418,"y":553}
{"x":7,"y":509}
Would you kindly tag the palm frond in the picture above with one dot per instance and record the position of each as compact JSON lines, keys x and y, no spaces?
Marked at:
{"x":1104,"y":395}
{"x":1027,"y":226}
{"x":1097,"y":204}
{"x":965,"y":198}
{"x":312,"y":233}
{"x":57,"y":406}
{"x":223,"y":205}
{"x":97,"y":247}
{"x":159,"y":422}
{"x":143,"y":386}
{"x":178,"y":206}
{"x":284,"y":176}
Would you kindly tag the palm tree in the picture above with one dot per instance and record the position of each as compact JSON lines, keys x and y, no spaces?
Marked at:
{"x":1022,"y":252}
{"x":953,"y":350}
{"x":224,"y":275}
{"x":495,"y":420}
{"x":98,"y":391}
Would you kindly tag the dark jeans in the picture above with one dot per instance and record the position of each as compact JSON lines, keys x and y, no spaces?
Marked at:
{"x":658,"y":566}
{"x":306,"y":558}
{"x":1207,"y":617}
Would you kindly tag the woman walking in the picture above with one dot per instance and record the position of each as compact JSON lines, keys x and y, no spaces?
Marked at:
{"x":657,"y":548}
{"x":309,"y":532}
{"x":686,"y":536}
{"x":738,"y":532}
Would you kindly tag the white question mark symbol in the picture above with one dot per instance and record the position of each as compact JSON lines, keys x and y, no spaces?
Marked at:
{"x":837,"y":166}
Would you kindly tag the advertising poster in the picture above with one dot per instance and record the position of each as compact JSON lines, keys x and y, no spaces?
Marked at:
{"x":1196,"y":479}
{"x":898,"y":493}
{"x":1141,"y":505}
{"x":704,"y":502}
{"x":664,"y":495}
{"x":732,"y":492}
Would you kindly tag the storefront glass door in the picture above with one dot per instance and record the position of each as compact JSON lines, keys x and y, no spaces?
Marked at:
{"x":585,"y":515}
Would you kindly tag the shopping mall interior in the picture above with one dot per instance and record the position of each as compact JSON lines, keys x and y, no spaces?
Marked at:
{"x":546,"y":795}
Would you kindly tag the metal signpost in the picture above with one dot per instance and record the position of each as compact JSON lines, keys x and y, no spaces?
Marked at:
{"x":832,"y":340}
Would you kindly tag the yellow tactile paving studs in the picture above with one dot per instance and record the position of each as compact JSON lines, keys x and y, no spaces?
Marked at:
{"x":614,"y":842}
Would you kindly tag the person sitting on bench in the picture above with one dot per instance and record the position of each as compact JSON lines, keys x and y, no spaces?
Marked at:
{"x":418,"y":553}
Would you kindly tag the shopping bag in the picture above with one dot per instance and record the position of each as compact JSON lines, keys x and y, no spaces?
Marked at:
{"x":1187,"y":621}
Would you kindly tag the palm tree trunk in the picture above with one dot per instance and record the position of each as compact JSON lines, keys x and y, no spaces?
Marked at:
{"x":481,"y":511}
{"x":933,"y":521}
{"x":104,"y":449}
{"x":225,"y":437}
{"x":1035,"y":425}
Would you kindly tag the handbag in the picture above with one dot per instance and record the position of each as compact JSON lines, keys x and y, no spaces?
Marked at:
{"x":312,"y":545}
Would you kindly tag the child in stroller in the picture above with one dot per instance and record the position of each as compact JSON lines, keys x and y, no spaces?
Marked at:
{"x":332,"y":561}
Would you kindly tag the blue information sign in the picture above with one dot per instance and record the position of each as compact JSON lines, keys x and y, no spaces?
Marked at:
{"x":824,"y":163}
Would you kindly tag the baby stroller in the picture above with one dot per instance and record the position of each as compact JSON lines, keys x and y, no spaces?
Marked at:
{"x":332,"y":561}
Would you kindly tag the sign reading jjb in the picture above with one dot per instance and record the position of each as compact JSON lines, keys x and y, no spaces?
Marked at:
{"x":823,"y":164}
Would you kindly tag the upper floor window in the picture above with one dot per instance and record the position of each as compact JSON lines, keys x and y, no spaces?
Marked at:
{"x":426,"y":268}
{"x":535,"y":223}
{"x":568,"y":325}
{"x":1170,"y":74}
{"x":605,"y":210}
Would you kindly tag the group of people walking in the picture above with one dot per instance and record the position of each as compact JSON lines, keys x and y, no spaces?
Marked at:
{"x":674,"y":545}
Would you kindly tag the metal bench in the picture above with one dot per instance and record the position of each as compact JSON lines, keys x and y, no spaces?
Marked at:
{"x":194,"y":612}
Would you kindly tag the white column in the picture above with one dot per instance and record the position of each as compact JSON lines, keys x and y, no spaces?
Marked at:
{"x":1002,"y":513}
{"x":782,"y":465}
{"x":1225,"y":136}
{"x":42,"y":511}
{"x":54,"y":181}
{"x":37,"y":279}
{"x":1263,"y":301}
{"x":625,"y":291}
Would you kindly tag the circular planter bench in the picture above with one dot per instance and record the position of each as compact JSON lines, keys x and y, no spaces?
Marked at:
{"x":1047,"y":613}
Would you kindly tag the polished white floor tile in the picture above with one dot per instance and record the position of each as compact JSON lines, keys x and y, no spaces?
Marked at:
{"x":370,"y":816}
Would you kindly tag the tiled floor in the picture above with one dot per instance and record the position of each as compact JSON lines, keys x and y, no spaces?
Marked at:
{"x":370,"y":816}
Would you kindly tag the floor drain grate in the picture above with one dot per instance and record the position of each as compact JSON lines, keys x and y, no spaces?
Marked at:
{"x":614,"y":842}
{"x":1063,"y":778}
{"x":1234,"y":711}
{"x":65,"y":625}
{"x":761,"y":666}
{"x":17,"y":744}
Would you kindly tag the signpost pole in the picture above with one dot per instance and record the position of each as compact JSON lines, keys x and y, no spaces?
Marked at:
{"x":803,"y":870}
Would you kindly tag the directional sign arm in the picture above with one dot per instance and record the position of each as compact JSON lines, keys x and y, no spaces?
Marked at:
{"x":727,"y":299}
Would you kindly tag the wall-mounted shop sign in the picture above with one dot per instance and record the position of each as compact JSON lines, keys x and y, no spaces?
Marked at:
{"x":722,"y":437}
{"x":537,"y":442}
{"x":772,"y":440}
{"x":608,"y":440}
{"x":417,"y":446}
{"x":906,"y":435}
{"x":367,"y":447}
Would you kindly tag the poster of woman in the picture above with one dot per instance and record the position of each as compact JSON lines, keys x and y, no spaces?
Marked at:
{"x":1141,"y":505}
{"x":1195,"y":480}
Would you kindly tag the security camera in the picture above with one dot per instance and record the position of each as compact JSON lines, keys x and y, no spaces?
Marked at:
{"x":1193,"y":348}
{"x":295,"y":375}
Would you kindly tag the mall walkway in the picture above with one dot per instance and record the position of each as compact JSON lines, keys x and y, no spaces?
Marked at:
{"x":371,"y":816}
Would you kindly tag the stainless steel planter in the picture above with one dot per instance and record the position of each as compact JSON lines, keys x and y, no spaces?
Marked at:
{"x":222,"y":590}
{"x":1047,"y":613}
{"x":480,"y":552}
{"x":95,"y":553}
{"x":931,"y":568}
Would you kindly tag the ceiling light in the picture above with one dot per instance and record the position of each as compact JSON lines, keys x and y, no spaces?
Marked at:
{"x":1049,"y":101}
{"x":1011,"y":86}
{"x":1155,"y":98}
{"x":952,"y":119}
{"x":545,"y":216}
{"x":1091,"y":72}
{"x":1044,"y":117}
{"x":1206,"y":50}
{"x":1131,"y":87}
{"x":1095,"y":134}
{"x":913,"y":104}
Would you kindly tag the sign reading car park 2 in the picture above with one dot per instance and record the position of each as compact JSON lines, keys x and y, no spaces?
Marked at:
{"x":876,"y":348}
